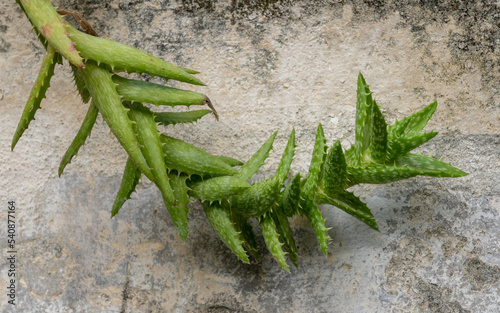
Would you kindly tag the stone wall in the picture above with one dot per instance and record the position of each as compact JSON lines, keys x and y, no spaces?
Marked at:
{"x":269,"y":65}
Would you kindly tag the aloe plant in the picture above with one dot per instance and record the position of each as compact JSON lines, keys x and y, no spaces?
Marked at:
{"x":380,"y":154}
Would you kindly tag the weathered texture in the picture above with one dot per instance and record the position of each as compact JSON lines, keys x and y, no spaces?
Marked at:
{"x":269,"y":65}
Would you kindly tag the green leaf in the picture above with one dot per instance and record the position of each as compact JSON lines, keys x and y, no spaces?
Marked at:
{"x":260,"y":198}
{"x":50,"y":25}
{"x":130,"y":179}
{"x":371,"y":129}
{"x":334,"y":176}
{"x":377,"y":132}
{"x":80,"y":84}
{"x":180,"y":189}
{"x":286,"y":235}
{"x":291,"y":197}
{"x":406,"y":166}
{"x":350,"y":204}
{"x":413,"y":124}
{"x":229,"y":161}
{"x":286,"y":159}
{"x":429,"y":166}
{"x":189,"y":159}
{"x":103,"y":91}
{"x":380,"y":174}
{"x":40,"y":37}
{"x":146,"y":92}
{"x":81,"y":136}
{"x":218,"y":188}
{"x":148,"y":138}
{"x":403,"y":145}
{"x":318,"y":156}
{"x":271,"y":238}
{"x":189,"y":71}
{"x":149,"y":142}
{"x":223,"y":226}
{"x":122,"y":56}
{"x":364,"y":105}
{"x":313,"y":214}
{"x":38,"y":91}
{"x":172,"y":118}
{"x":242,"y":226}
{"x":257,"y":160}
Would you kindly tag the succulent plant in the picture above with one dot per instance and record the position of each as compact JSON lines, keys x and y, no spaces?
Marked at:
{"x":380,"y":154}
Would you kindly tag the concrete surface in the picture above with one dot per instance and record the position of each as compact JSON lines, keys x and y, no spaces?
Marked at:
{"x":269,"y":65}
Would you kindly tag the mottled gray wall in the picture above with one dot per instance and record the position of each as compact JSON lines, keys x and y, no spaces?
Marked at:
{"x":269,"y":65}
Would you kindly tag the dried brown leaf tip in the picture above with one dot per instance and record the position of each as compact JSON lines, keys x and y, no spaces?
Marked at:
{"x":211,"y":106}
{"x":86,"y":27}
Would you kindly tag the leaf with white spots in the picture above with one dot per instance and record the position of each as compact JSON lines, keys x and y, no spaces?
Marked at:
{"x":413,"y":124}
{"x":403,"y":145}
{"x":350,"y":204}
{"x":371,"y":129}
{"x":429,"y":166}
{"x":334,"y":176}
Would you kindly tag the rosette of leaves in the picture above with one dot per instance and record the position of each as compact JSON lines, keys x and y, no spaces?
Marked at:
{"x":183,"y":172}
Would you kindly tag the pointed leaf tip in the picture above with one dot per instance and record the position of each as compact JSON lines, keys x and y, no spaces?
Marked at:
{"x":286,"y":159}
{"x":271,"y":238}
{"x":334,"y":176}
{"x":251,"y":167}
{"x":224,"y":228}
{"x":37,"y":93}
{"x":319,"y":154}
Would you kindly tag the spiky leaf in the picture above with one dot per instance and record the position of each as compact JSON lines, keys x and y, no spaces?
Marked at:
{"x":122,"y":56}
{"x":242,"y":226}
{"x":271,"y":238}
{"x":403,"y":145}
{"x":80,"y":84}
{"x":130,"y":179}
{"x":258,"y":199}
{"x":180,"y":189}
{"x":286,"y":235}
{"x":146,"y":92}
{"x":286,"y":159}
{"x":380,"y":174}
{"x":371,"y":129}
{"x":223,"y":226}
{"x":81,"y":136}
{"x":291,"y":197}
{"x":50,"y":25}
{"x":364,"y":105}
{"x":41,"y":85}
{"x":218,"y":188}
{"x":429,"y":166}
{"x":350,"y":204}
{"x":107,"y":100}
{"x":317,"y":160}
{"x":413,"y":124}
{"x":377,"y":143}
{"x":334,"y":176}
{"x":257,"y":160}
{"x":313,"y":214}
{"x":172,"y":118}
{"x":187,"y":158}
{"x":151,"y":147}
